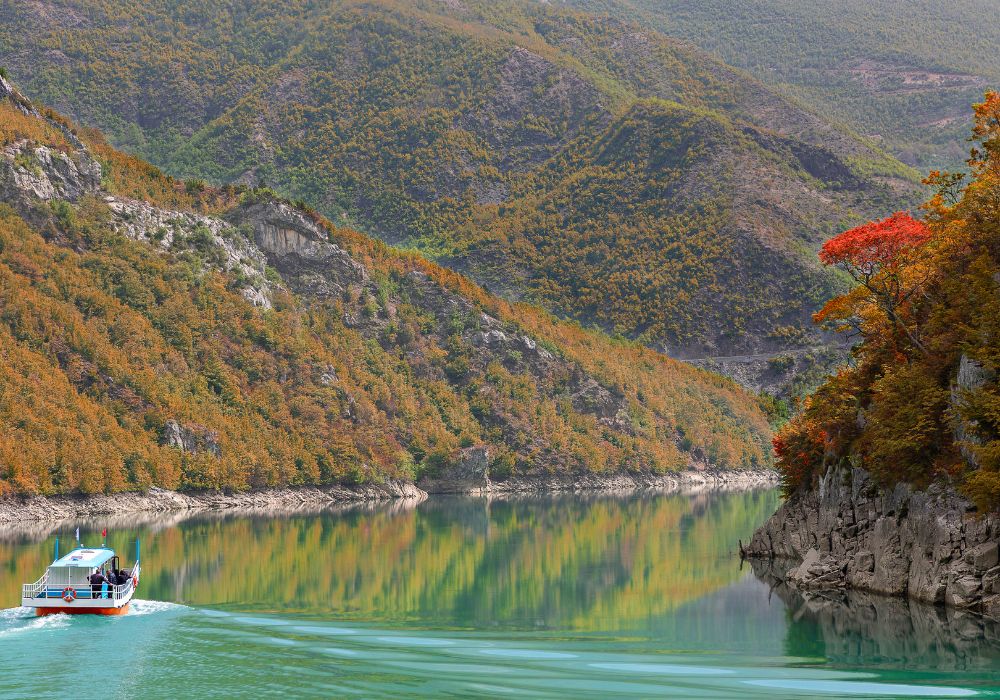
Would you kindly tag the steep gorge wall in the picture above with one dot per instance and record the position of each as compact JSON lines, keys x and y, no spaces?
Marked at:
{"x":930,"y":545}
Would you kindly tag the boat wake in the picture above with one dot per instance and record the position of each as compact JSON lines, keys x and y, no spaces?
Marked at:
{"x":152,"y":607}
{"x":22,"y":619}
{"x":19,"y":620}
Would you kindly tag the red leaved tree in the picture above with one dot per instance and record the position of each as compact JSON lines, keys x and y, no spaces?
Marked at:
{"x":876,"y":255}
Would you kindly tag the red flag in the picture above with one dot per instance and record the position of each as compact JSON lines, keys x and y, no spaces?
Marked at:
{"x":104,"y":532}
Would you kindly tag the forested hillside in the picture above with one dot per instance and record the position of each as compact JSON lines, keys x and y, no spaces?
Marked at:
{"x":611,"y":174}
{"x":901,"y":71}
{"x":922,"y":399}
{"x":157,"y":332}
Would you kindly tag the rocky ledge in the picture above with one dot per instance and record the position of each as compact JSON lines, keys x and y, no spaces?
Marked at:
{"x":470,"y":474}
{"x":35,"y":509}
{"x":930,"y":545}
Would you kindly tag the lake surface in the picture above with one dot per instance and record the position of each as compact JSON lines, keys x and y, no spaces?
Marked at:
{"x":600,"y":596}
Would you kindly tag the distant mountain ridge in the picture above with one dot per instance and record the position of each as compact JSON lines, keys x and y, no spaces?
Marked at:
{"x":903,"y":72}
{"x":615,"y":176}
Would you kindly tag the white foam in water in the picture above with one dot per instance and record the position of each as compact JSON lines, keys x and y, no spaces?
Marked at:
{"x":528,"y":654}
{"x":263,"y":621}
{"x":417,"y":641}
{"x":151,"y":607}
{"x":669,"y":669}
{"x":311,"y":629}
{"x":15,"y":613}
{"x":338,"y":652}
{"x":21,"y":620}
{"x":276,"y":641}
{"x":495,"y":689}
{"x":865,"y":689}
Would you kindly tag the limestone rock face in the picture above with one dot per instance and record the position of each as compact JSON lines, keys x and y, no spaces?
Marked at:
{"x":38,"y":173}
{"x":7,"y":91}
{"x":300,"y":251}
{"x":232,"y":251}
{"x":929,"y":545}
{"x":971,"y":375}
{"x":31,"y":173}
{"x":469,"y":473}
{"x":190,"y":438}
{"x":819,"y":571}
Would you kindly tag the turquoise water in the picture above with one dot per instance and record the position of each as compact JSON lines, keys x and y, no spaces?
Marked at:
{"x":594,"y":597}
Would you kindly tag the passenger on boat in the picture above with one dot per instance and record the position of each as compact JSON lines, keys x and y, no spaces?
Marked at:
{"x":97,"y":580}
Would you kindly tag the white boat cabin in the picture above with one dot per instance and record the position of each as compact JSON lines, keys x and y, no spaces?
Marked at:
{"x":69,"y":584}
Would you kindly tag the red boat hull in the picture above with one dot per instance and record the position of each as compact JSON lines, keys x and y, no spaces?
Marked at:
{"x":82,"y":611}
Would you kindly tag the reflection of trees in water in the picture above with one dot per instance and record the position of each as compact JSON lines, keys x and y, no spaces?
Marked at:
{"x":536,"y":562}
{"x":861,"y":629}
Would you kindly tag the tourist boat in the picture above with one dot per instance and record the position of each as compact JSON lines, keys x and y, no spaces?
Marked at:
{"x":66,"y":588}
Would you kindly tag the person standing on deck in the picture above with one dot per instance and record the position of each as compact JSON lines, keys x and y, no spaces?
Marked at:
{"x":97,"y":580}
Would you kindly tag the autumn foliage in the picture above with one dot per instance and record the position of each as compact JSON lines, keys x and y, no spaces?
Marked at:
{"x":105,"y":340}
{"x":875,"y":255}
{"x":920,"y":401}
{"x":875,"y":247}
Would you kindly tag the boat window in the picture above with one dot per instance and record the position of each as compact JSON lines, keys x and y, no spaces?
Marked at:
{"x":60,"y":576}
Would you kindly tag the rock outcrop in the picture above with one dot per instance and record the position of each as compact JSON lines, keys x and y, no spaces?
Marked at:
{"x":190,"y":439}
{"x":469,"y":474}
{"x":230,"y":250}
{"x":930,"y":545}
{"x":298,"y":248}
{"x":30,"y":174}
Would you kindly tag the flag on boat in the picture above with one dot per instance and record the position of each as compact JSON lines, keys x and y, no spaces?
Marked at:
{"x":104,"y":532}
{"x":77,"y":534}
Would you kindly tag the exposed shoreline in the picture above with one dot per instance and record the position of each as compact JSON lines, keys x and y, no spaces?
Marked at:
{"x":929,"y":545}
{"x":17,"y":511}
{"x":691,"y":480}
{"x":38,"y":509}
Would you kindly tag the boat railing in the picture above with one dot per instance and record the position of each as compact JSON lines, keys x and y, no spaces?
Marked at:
{"x":32,"y":590}
{"x":41,"y":589}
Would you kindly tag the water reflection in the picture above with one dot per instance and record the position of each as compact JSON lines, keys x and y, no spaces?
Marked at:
{"x":533,"y":563}
{"x":855,"y":628}
{"x":601,"y":596}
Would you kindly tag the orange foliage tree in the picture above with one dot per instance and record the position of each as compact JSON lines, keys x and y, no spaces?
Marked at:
{"x":904,"y":411}
{"x":875,"y":255}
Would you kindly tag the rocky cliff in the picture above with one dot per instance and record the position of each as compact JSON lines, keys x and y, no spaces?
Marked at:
{"x":930,"y":545}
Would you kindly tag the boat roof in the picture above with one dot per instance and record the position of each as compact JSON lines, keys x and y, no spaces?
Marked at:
{"x":86,"y":557}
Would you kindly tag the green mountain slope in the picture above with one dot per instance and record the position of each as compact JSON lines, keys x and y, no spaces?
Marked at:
{"x":154,"y":332}
{"x":902,"y":71}
{"x":603,"y":170}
